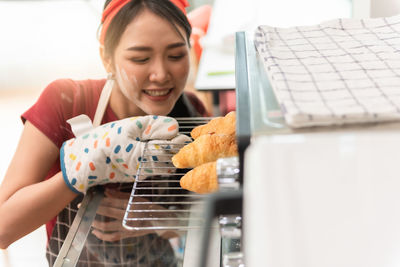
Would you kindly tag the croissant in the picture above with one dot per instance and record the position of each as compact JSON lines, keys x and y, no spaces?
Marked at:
{"x":206,"y":148}
{"x":219,"y":125}
{"x":202,"y":179}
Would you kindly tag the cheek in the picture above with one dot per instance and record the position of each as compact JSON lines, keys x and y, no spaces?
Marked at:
{"x":181,"y":72}
{"x":135,"y":77}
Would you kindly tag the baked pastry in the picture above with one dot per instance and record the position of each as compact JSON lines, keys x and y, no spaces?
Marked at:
{"x":219,"y":125}
{"x":206,"y":148}
{"x":202,"y":179}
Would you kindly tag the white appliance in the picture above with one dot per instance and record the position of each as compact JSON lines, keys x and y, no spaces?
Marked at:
{"x":323,"y":200}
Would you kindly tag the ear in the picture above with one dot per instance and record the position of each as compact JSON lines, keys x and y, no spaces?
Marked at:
{"x":107,"y":60}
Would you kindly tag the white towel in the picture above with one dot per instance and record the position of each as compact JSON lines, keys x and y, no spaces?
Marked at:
{"x":338,"y":72}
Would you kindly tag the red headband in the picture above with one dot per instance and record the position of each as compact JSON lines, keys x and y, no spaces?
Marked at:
{"x":115,"y":5}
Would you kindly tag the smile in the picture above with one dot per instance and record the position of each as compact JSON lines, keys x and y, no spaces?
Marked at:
{"x":157,"y":92}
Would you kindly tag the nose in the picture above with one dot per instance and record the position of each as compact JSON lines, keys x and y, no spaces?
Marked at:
{"x":159,"y":71}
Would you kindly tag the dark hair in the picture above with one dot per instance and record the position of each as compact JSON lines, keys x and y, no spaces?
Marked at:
{"x":163,"y":8}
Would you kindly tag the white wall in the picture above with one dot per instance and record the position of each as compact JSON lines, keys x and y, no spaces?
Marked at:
{"x":44,"y":40}
{"x":384,"y":8}
{"x":361,"y":8}
{"x":375,"y":8}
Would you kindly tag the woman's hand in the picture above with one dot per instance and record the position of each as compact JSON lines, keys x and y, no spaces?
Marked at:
{"x":113,"y":207}
{"x":110,"y":153}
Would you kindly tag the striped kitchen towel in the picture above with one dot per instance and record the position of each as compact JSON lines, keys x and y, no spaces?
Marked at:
{"x":338,"y":72}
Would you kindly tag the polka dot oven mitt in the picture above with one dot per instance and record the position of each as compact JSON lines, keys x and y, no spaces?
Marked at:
{"x":111,"y":153}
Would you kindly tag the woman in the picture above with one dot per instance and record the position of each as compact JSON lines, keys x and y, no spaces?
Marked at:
{"x":145,"y":49}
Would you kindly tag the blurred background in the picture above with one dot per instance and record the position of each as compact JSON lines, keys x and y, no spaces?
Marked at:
{"x":43,"y":40}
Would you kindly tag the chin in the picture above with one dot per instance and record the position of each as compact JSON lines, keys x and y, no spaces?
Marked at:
{"x":158,"y":111}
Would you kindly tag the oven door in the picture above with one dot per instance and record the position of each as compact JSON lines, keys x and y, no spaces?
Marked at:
{"x":328,"y":199}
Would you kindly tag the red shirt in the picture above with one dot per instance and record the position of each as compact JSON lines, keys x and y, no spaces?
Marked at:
{"x":64,"y":99}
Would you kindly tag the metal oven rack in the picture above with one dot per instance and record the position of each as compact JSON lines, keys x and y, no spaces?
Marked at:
{"x":157,"y":201}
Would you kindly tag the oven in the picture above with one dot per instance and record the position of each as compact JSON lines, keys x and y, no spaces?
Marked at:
{"x":316,"y":196}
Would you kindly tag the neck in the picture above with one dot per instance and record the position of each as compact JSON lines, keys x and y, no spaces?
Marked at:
{"x":122,"y":107}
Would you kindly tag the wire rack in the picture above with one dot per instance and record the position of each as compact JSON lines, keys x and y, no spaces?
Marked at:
{"x":157,"y":202}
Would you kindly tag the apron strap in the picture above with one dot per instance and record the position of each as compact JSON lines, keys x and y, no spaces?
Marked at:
{"x":103,"y":101}
{"x":81,"y":124}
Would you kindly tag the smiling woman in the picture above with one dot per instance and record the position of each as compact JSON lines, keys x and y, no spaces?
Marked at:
{"x":144,"y":47}
{"x":151,"y":75}
{"x":148,"y":73}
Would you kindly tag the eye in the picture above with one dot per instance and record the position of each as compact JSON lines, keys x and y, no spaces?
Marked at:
{"x":139,"y":60}
{"x":176,"y":57}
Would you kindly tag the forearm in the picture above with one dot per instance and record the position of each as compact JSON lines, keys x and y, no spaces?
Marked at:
{"x":32,"y":206}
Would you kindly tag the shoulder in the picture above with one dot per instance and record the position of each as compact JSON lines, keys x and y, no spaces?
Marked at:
{"x":74,"y":87}
{"x":74,"y":97}
{"x":61,"y":100}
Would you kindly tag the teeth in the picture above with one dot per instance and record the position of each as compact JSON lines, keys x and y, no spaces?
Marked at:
{"x":157,"y":92}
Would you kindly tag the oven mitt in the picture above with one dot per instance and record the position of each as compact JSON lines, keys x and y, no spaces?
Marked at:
{"x":111,"y":153}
